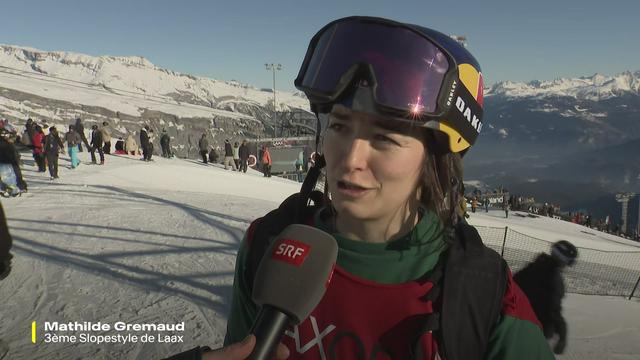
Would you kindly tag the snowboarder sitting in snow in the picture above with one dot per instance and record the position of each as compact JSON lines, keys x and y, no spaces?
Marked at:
{"x":120,"y":147}
{"x":542,"y":282}
{"x":9,"y":155}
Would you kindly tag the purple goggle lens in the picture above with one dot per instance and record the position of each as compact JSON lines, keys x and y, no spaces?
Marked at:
{"x":408,"y":68}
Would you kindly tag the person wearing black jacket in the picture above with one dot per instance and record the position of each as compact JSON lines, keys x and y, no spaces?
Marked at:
{"x":52,"y":148}
{"x":542,"y":282}
{"x":244,"y":156}
{"x":145,"y":144}
{"x":9,"y":155}
{"x":96,"y":144}
{"x":5,"y":246}
{"x":80,"y":130}
{"x":228,"y":155}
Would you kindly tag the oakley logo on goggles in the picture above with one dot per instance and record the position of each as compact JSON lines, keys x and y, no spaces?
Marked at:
{"x":412,"y":77}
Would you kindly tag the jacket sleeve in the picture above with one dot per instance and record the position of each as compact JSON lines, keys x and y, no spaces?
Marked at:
{"x":243,"y":310}
{"x":5,"y":246}
{"x":518,"y":334}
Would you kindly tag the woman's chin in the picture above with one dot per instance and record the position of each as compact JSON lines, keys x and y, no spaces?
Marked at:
{"x":353,"y":209}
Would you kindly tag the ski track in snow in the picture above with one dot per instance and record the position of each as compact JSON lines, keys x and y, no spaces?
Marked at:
{"x":156,"y":243}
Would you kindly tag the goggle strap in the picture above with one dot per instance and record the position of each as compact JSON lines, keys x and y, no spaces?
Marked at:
{"x":465,"y":114}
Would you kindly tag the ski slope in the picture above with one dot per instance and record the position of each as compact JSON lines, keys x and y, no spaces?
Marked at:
{"x":156,"y":242}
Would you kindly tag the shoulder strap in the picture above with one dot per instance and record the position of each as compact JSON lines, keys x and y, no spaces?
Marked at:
{"x":474,"y":283}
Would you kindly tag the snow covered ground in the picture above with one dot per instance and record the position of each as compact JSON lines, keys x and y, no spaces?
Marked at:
{"x":156,"y":242}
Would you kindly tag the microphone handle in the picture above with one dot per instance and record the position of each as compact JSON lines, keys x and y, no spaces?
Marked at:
{"x":268,"y":328}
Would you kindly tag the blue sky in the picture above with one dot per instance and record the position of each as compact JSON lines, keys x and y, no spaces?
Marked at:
{"x":232,"y":39}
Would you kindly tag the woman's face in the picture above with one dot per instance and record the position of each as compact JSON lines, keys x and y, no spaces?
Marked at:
{"x":373,"y":169}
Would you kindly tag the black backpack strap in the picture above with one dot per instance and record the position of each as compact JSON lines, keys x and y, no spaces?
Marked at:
{"x":474,"y":283}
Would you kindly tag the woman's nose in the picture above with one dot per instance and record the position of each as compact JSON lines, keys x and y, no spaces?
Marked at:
{"x":356,"y":155}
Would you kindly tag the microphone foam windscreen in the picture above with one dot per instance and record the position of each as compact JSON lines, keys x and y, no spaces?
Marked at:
{"x":295,"y":271}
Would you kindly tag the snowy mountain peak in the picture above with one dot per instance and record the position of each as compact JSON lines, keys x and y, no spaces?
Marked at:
{"x":596,"y":87}
{"x":129,"y":75}
{"x":36,"y":58}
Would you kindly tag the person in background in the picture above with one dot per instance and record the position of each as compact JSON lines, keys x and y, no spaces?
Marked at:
{"x":131,"y":146}
{"x":5,"y":246}
{"x":9,"y":155}
{"x":299,"y":164}
{"x":80,"y":130}
{"x":73,"y":140}
{"x":52,"y":148}
{"x":38,"y":148}
{"x":541,"y":280}
{"x":203,"y":145}
{"x":228,"y":156}
{"x":145,"y":143}
{"x":120,"y":146}
{"x":266,"y":161}
{"x":165,"y":140}
{"x":29,"y":131}
{"x":243,"y":153}
{"x":213,"y":155}
{"x":152,"y":139}
{"x":236,"y":155}
{"x":106,"y":138}
{"x":96,"y":145}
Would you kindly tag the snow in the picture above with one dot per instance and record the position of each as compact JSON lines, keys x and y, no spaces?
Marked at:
{"x":156,"y":242}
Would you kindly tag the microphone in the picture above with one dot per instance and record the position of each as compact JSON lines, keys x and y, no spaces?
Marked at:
{"x":290,"y":282}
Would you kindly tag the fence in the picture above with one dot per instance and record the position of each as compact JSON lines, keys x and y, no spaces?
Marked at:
{"x":596,"y":272}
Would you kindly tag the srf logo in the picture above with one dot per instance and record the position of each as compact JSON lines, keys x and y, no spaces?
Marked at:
{"x":291,"y":251}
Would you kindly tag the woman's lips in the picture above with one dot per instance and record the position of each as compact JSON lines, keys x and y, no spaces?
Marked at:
{"x":351,"y":190}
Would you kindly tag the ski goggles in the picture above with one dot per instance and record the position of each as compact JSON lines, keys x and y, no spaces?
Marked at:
{"x":412,"y":77}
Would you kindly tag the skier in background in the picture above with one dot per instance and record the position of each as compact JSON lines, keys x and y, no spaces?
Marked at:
{"x":96,"y":144}
{"x":203,"y":144}
{"x":243,"y":152}
{"x":145,"y":143}
{"x":73,"y":140}
{"x":106,"y":137}
{"x":542,"y":282}
{"x":164,"y":144}
{"x":52,"y":148}
{"x":80,"y":130}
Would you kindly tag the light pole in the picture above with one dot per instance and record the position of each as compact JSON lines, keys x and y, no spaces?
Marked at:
{"x":624,"y":199}
{"x":273,"y":68}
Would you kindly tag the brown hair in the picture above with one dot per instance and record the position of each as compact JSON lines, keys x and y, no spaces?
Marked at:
{"x":440,"y":185}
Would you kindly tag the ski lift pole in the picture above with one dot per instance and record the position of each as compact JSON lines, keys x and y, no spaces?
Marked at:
{"x":504,"y":240}
{"x":634,"y":288}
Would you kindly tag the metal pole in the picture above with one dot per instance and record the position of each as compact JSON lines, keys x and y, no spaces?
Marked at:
{"x":634,"y":288}
{"x":638,"y":223}
{"x":504,"y":240}
{"x":274,"y":102}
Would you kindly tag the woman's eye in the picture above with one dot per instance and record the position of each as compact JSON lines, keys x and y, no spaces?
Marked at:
{"x":336,"y":126}
{"x":386,"y":139}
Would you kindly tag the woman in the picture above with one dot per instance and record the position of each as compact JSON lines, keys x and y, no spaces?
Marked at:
{"x":266,"y":161}
{"x":38,"y":148}
{"x":397,"y":104}
{"x":73,"y":140}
